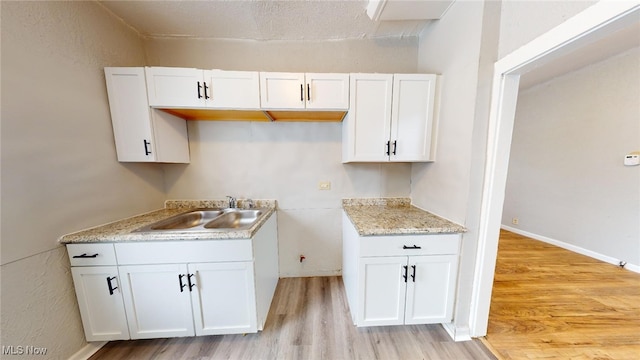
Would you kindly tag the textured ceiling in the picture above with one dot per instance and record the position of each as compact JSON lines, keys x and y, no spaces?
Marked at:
{"x":260,"y":20}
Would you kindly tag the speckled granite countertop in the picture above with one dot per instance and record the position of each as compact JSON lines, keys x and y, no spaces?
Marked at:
{"x":121,"y":230}
{"x":395,"y":216}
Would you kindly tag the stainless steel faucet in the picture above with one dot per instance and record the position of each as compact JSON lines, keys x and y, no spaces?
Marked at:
{"x":233,"y":203}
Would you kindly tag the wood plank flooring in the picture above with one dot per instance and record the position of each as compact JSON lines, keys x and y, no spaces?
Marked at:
{"x":551,"y":303}
{"x":309,"y":319}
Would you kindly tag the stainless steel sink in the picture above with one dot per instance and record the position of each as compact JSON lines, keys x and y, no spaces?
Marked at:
{"x":207,"y":220}
{"x":235,"y":219}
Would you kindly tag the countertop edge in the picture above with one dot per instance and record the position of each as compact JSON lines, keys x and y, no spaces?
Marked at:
{"x":381,"y":227}
{"x":113,"y":233}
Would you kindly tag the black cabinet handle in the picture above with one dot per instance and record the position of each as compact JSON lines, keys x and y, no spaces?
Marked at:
{"x":191,"y":285}
{"x":411,"y":247}
{"x":413,"y":276}
{"x":395,"y":144}
{"x":111,"y":287}
{"x":388,"y":145}
{"x":147,"y":144}
{"x":180,"y":276}
{"x":406,"y":270}
{"x":205,"y":91}
{"x":308,"y":93}
{"x":301,"y":93}
{"x":199,"y":87}
{"x":85,"y":256}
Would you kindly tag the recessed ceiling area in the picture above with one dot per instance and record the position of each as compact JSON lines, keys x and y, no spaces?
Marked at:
{"x":620,"y":36}
{"x":277,"y":20}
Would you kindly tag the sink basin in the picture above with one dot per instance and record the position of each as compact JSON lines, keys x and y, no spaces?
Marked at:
{"x":207,"y":220}
{"x":234,"y":219}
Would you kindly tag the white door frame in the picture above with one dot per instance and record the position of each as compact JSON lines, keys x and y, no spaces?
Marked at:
{"x":594,"y":23}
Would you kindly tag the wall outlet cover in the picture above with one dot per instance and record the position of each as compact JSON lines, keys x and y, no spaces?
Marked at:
{"x":324,"y":185}
{"x":632,"y":160}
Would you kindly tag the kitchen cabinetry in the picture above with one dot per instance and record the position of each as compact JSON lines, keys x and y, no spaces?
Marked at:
{"x":390,"y":118}
{"x":96,"y":280}
{"x":304,"y":91}
{"x":187,"y":88}
{"x":171,"y":300}
{"x":394,"y":280}
{"x":155,"y":300}
{"x":142,"y":134}
{"x":180,"y":288}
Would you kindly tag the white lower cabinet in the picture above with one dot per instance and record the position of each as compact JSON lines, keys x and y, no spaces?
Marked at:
{"x":189,"y":299}
{"x":223,"y":299}
{"x":175,"y":288}
{"x":157,"y":304}
{"x":387,"y":285}
{"x":100,"y":302}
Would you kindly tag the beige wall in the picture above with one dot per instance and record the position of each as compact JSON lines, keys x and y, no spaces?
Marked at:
{"x":285,"y":161}
{"x":566,"y":177}
{"x":523,"y":21}
{"x":384,"y":55}
{"x":59,"y":168}
{"x":463,"y":48}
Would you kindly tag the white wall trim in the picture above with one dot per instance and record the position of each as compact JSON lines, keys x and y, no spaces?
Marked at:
{"x":571,"y":247}
{"x":457,"y":333}
{"x":88,"y":350}
{"x":311,"y":273}
{"x":594,"y":23}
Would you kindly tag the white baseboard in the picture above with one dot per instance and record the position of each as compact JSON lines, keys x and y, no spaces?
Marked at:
{"x":457,"y":333}
{"x":570,"y":247}
{"x":88,"y":350}
{"x":311,"y":273}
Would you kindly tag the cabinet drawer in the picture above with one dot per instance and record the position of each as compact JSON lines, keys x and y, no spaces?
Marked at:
{"x":91,"y":254}
{"x":440,"y":244}
{"x":140,"y":253}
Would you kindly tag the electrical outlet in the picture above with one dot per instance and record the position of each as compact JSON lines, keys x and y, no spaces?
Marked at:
{"x":324,"y":185}
{"x":514,"y":221}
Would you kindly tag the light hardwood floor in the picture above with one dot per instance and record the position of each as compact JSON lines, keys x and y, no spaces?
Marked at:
{"x":308,"y":319}
{"x":551,"y":303}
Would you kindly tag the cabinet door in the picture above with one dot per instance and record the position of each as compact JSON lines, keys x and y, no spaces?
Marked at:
{"x":431,"y":289}
{"x":282,"y":90}
{"x":130,"y":114}
{"x":233,"y":89}
{"x":171,"y":138}
{"x":223,"y":298}
{"x":412,"y":117}
{"x":381,"y":292}
{"x":327,"y":91}
{"x":176,"y":87}
{"x":366,"y":127}
{"x":157,"y":300}
{"x":100,"y":300}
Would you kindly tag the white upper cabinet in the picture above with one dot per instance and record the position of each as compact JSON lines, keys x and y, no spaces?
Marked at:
{"x":194,"y":88}
{"x":176,"y":87}
{"x":390,"y":118}
{"x":304,"y":91}
{"x":142,"y":134}
{"x":233,"y":89}
{"x":327,"y":91}
{"x":412,"y":117}
{"x":367,"y":126}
